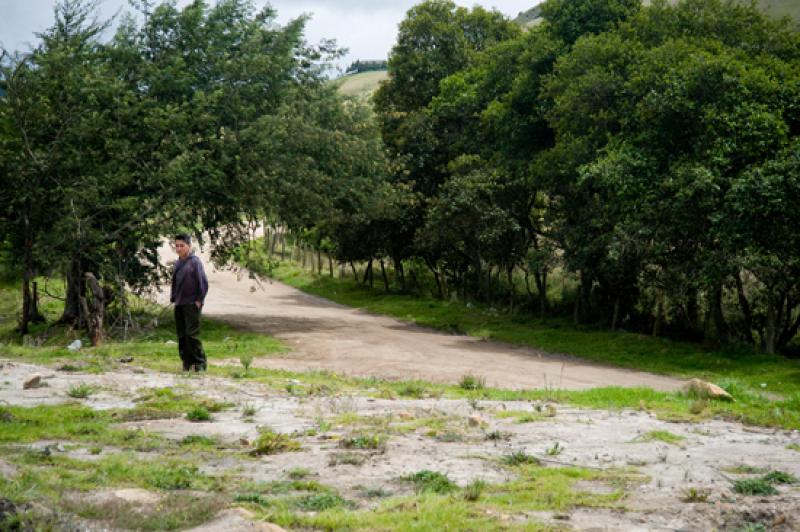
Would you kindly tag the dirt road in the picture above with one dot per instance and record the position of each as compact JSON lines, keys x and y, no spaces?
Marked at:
{"x":325,"y":335}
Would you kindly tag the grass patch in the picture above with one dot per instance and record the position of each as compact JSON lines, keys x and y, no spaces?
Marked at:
{"x":431,"y":481}
{"x":754,"y":486}
{"x":662,"y":436}
{"x":794,"y":447}
{"x":355,"y":459}
{"x":779,"y":477}
{"x":198,"y":414}
{"x":518,"y":458}
{"x":472,"y":382}
{"x":80,"y":391}
{"x":472,"y":491}
{"x":317,"y":502}
{"x":174,"y":512}
{"x":299,"y":473}
{"x":367,"y":441}
{"x":269,"y":442}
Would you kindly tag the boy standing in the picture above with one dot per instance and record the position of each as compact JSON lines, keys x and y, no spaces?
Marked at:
{"x":189,"y":289}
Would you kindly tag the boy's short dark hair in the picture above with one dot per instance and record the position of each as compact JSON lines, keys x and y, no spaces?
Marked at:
{"x":186,"y":238}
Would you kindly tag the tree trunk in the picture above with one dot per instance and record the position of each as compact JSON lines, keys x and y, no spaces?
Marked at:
{"x":283,"y":244}
{"x":541,"y":286}
{"x":34,"y":316}
{"x":319,"y":261}
{"x":368,"y":273}
{"x":615,"y":315}
{"x":267,"y":246}
{"x":744,"y":304}
{"x":330,"y":266}
{"x":399,"y":275}
{"x":76,"y":286}
{"x":717,"y":315}
{"x":659,"y":317}
{"x":94,"y":312}
{"x":513,"y":290}
{"x":771,"y":332}
{"x":355,"y":273}
{"x":385,"y":277}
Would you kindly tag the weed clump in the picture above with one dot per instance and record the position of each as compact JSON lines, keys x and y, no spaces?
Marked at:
{"x":364,"y":441}
{"x":318,"y":502}
{"x":269,"y":442}
{"x":660,"y":435}
{"x":355,"y":459}
{"x":299,"y":473}
{"x":198,"y":414}
{"x":519,"y":458}
{"x":472,"y":491}
{"x":472,"y":382}
{"x":174,"y":478}
{"x":754,"y":486}
{"x":80,"y":391}
{"x":427,"y":481}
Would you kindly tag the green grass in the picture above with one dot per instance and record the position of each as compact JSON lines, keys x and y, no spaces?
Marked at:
{"x":269,"y":442}
{"x":662,"y":436}
{"x":431,"y":481}
{"x":80,"y":391}
{"x":364,"y":83}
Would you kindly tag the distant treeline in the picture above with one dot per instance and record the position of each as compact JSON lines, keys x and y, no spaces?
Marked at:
{"x":367,"y":66}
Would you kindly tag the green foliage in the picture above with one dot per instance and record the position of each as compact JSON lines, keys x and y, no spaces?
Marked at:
{"x":269,"y":442}
{"x":662,"y":436}
{"x":198,"y":413}
{"x":80,"y":391}
{"x":431,"y":481}
{"x":517,"y":458}
{"x":472,"y":491}
{"x":754,"y":486}
{"x":472,"y":382}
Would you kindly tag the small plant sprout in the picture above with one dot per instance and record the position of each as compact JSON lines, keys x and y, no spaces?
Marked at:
{"x":248,"y":410}
{"x":519,"y":458}
{"x":80,"y":391}
{"x":472,"y":382}
{"x":246,"y":359}
{"x":555,"y":450}
{"x":472,"y":491}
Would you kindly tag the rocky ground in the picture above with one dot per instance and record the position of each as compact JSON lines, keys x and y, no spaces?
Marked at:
{"x":657,"y":475}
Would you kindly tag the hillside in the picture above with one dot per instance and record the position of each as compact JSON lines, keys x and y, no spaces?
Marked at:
{"x":775,"y":8}
{"x":363,"y":83}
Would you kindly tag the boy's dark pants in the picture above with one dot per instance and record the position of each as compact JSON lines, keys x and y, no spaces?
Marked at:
{"x":187,"y":323}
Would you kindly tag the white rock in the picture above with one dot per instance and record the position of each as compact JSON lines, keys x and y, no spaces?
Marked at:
{"x":75,"y":346}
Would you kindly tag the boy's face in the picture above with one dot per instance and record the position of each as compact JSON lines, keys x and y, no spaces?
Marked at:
{"x":182,"y":248}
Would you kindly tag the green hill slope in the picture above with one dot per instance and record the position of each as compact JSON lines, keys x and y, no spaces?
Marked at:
{"x":775,"y":8}
{"x":363,"y":83}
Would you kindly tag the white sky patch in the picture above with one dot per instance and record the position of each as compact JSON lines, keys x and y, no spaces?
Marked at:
{"x":367,"y":28}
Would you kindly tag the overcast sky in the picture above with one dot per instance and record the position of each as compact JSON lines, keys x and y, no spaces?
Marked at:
{"x":367,"y":28}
